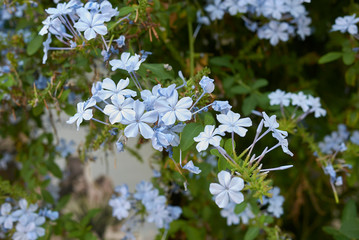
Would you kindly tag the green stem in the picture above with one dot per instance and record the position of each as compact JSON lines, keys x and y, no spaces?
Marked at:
{"x":191,"y":45}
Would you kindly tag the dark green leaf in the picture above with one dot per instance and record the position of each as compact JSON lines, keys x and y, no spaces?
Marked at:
{"x":125,"y":10}
{"x":240,"y":207}
{"x":34,"y":45}
{"x":251,"y":233}
{"x":189,"y":132}
{"x":348,"y":57}
{"x":329,"y":57}
{"x":259,"y":83}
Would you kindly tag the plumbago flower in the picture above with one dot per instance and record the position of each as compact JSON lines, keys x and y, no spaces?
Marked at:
{"x":231,"y":122}
{"x":120,"y":109}
{"x":109,"y":89}
{"x":138,"y":122}
{"x":90,"y":24}
{"x":69,"y":20}
{"x":208,"y":136}
{"x":127,"y":62}
{"x":155,"y":208}
{"x":306,"y":102}
{"x":171,"y":109}
{"x":346,"y":24}
{"x":83,"y":112}
{"x":228,"y":189}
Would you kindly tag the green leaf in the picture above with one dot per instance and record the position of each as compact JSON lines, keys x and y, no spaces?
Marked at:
{"x":350,"y":228}
{"x":350,"y":76}
{"x":158,"y":70}
{"x":249,"y":104}
{"x":90,"y":214}
{"x":349,"y":212}
{"x":259,"y":83}
{"x":189,"y":132}
{"x":125,"y":10}
{"x":54,"y":169}
{"x":240,"y":90}
{"x":252,"y":233}
{"x":47,"y":196}
{"x":223,"y":164}
{"x":34,"y":45}
{"x":240,"y":207}
{"x":337,"y":235}
{"x":348,"y":57}
{"x":329,"y":57}
{"x":208,"y":118}
{"x":223,"y":61}
{"x":228,"y":146}
{"x":193,"y":233}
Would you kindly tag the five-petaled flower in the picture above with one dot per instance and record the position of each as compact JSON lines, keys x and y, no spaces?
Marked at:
{"x":228,"y":189}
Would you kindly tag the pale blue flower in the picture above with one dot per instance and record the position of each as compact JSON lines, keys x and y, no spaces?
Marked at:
{"x":202,"y":19}
{"x":25,"y":209}
{"x":122,"y":190}
{"x":142,"y":189}
{"x":221,"y":106}
{"x":275,"y":202}
{"x":120,"y":41}
{"x":228,"y":190}
{"x":107,"y":11}
{"x":192,"y":168}
{"x":279,"y":97}
{"x":138,"y":122}
{"x":208,"y":136}
{"x":216,"y":10}
{"x":65,"y":149}
{"x":159,"y":215}
{"x":95,"y":90}
{"x":127,"y":62}
{"x":46,"y":45}
{"x":83,"y":112}
{"x":329,"y":170}
{"x":161,"y":139}
{"x":207,"y":84}
{"x":144,"y":55}
{"x":301,"y":100}
{"x":274,"y":8}
{"x":339,"y":181}
{"x":109,"y":88}
{"x":231,"y":122}
{"x":90,"y":24}
{"x":346,"y":24}
{"x":236,"y":6}
{"x":316,"y":107}
{"x":6,"y":218}
{"x":119,"y":147}
{"x":295,"y":7}
{"x":172,"y":109}
{"x":275,"y":31}
{"x":121,"y":207}
{"x":120,"y":109}
{"x":149,"y":97}
{"x":355,"y":137}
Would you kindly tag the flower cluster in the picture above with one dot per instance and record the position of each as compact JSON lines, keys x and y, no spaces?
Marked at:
{"x":275,"y":203}
{"x":23,"y":220}
{"x":306,"y":102}
{"x":336,"y":141}
{"x":234,"y":218}
{"x":74,"y":23}
{"x":157,"y":210}
{"x":286,"y":17}
{"x":346,"y":24}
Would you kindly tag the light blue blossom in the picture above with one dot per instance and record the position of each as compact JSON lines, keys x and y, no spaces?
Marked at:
{"x":279,"y":97}
{"x":228,"y":189}
{"x":171,"y":109}
{"x":141,"y":189}
{"x":121,"y":207}
{"x":107,"y":11}
{"x":216,"y":10}
{"x":90,"y":24}
{"x":207,"y":84}
{"x":316,"y":107}
{"x":231,"y":122}
{"x":295,"y":8}
{"x":120,"y":147}
{"x":127,"y":62}
{"x":138,"y":122}
{"x":275,"y":31}
{"x":208,"y":136}
{"x":355,"y":137}
{"x":120,"y":41}
{"x":346,"y":24}
{"x":202,"y":19}
{"x":83,"y":112}
{"x":236,"y":6}
{"x":192,"y":168}
{"x":120,"y":109}
{"x":25,"y":209}
{"x":95,"y":90}
{"x":65,"y":149}
{"x":221,"y":106}
{"x":275,"y":9}
{"x":46,"y":45}
{"x":109,"y":88}
{"x":122,"y":190}
{"x":6,"y":218}
{"x":275,"y":203}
